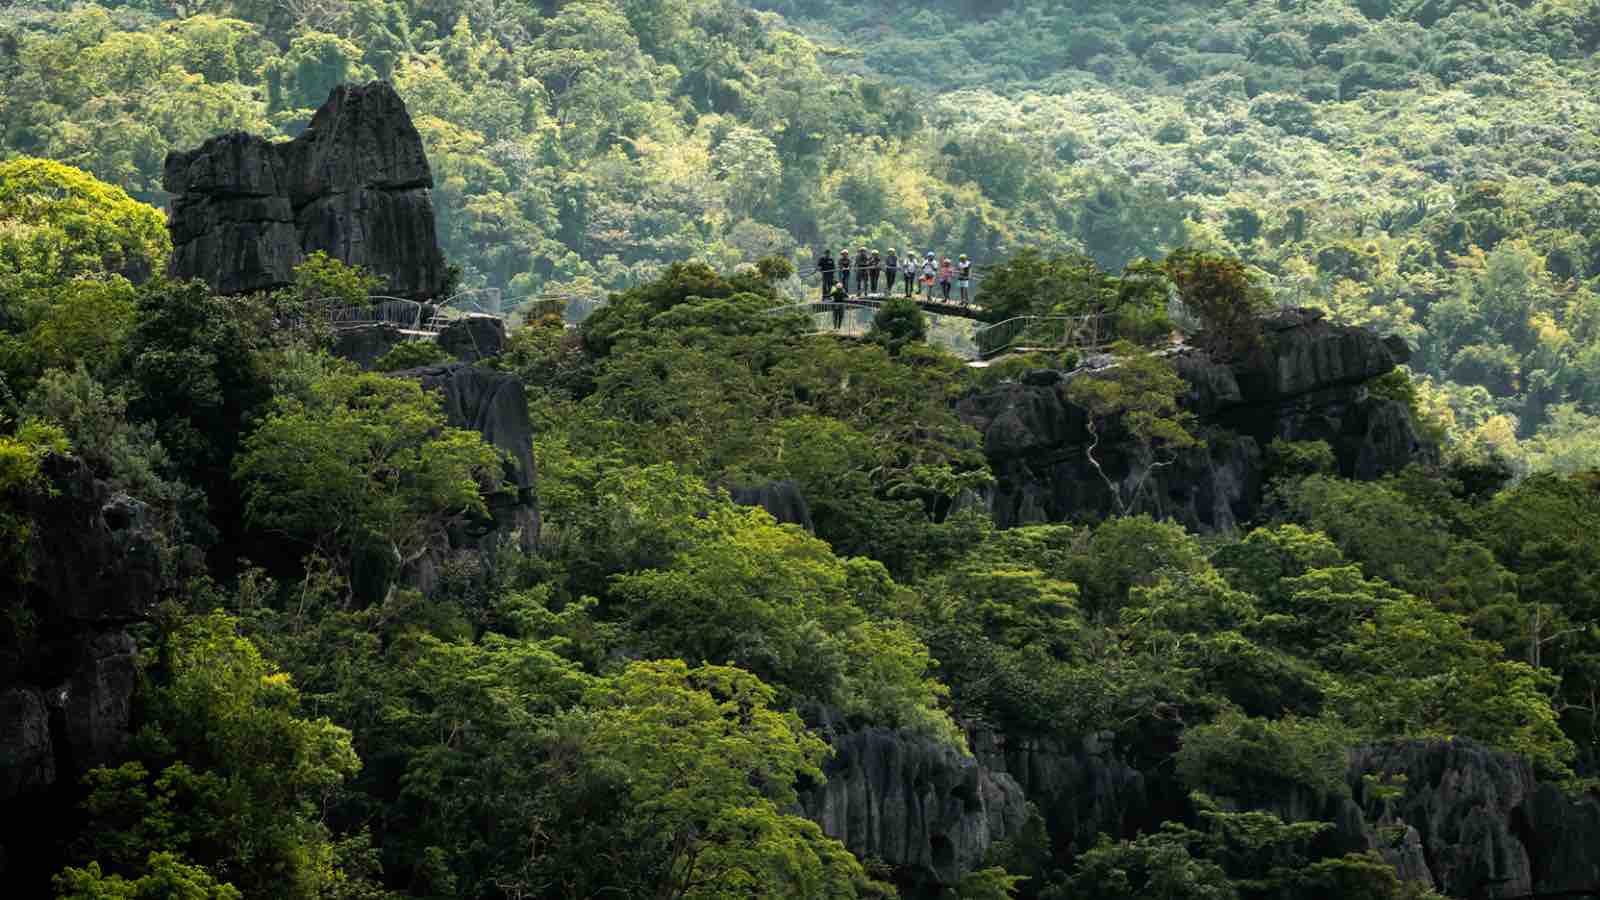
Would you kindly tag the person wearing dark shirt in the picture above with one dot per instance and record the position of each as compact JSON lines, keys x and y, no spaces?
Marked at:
{"x":874,"y":266}
{"x":825,"y":266}
{"x":862,"y":261}
{"x":844,"y":269}
{"x":891,"y":267}
{"x":838,"y":297}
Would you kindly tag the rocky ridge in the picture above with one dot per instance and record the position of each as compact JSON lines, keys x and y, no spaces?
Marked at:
{"x":1309,"y":382}
{"x":355,"y":184}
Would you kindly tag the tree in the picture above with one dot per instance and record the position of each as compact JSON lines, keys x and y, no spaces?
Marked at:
{"x":1222,"y":294}
{"x":61,"y":223}
{"x":230,"y":776}
{"x":363,"y":463}
{"x":1138,"y":395}
{"x":899,"y":322}
{"x":708,"y":770}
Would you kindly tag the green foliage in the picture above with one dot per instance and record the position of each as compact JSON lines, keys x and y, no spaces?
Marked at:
{"x":776,"y":601}
{"x":410,"y":355}
{"x":20,"y":455}
{"x":1254,"y":760}
{"x":166,"y":877}
{"x":58,"y":223}
{"x":709,"y":770}
{"x":1220,"y":293}
{"x":363,"y":462}
{"x":1136,"y":397}
{"x":230,"y":779}
{"x":899,"y":322}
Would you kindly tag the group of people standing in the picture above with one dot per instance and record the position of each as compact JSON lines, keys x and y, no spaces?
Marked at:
{"x":918,"y":275}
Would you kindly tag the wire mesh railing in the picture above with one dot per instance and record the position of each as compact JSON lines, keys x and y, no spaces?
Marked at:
{"x":397,"y":311}
{"x":1043,"y":333}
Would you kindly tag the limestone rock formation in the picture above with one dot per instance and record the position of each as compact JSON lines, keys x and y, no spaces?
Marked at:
{"x":67,"y":682}
{"x":1307,"y":384}
{"x":355,"y":184}
{"x":1484,"y":824}
{"x":912,"y":802}
{"x":103,"y":566}
{"x":781,"y":499}
{"x":494,"y":405}
{"x":474,"y":337}
{"x":365,"y":344}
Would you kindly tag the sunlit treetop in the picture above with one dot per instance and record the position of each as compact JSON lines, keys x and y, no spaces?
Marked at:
{"x":58,"y":223}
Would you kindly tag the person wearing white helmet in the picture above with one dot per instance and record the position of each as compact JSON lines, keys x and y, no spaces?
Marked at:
{"x":891,"y":266}
{"x":929,"y":269}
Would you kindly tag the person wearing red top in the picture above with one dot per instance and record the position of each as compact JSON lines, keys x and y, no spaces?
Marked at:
{"x":947,"y":274}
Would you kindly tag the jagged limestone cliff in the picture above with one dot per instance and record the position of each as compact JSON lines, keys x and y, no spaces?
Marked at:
{"x":355,"y":184}
{"x":1308,"y":383}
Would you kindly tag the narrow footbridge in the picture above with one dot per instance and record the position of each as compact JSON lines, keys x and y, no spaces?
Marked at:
{"x":419,"y":321}
{"x":415,"y":320}
{"x":961,"y":329}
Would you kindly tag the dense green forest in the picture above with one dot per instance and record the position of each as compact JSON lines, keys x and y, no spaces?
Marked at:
{"x":641,"y":706}
{"x":1429,"y":167}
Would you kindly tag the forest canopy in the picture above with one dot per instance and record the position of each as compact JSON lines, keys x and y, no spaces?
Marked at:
{"x":640,"y":699}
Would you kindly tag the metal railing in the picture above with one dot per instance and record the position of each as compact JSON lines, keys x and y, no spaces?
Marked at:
{"x":397,"y":311}
{"x":1043,"y":333}
{"x":853,"y":318}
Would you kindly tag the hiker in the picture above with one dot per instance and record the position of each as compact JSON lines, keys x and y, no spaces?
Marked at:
{"x":964,"y":279}
{"x":862,"y":261}
{"x":844,"y":269}
{"x":840,"y":296}
{"x":825,"y":266}
{"x":890,"y":267}
{"x":928,"y":269}
{"x":910,"y":274}
{"x":947,"y":274}
{"x":874,"y":266}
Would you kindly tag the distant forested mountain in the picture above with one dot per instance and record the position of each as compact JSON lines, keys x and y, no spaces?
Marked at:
{"x":1429,"y":167}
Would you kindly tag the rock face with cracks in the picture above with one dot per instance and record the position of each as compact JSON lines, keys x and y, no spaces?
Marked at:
{"x":67,"y":682}
{"x":1308,"y":383}
{"x":355,"y":184}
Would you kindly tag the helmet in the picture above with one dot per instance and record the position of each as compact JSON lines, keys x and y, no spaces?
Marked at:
{"x":891,"y":249}
{"x":963,"y":256}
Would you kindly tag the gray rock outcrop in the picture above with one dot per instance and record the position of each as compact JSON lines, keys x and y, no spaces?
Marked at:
{"x":913,"y":802}
{"x":365,"y":344}
{"x":1308,"y":383}
{"x":1476,"y":821}
{"x":355,"y":184}
{"x":494,"y":405}
{"x":67,"y":681}
{"x":781,"y":499}
{"x":474,"y":337}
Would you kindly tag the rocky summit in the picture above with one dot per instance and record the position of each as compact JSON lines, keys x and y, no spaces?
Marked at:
{"x":1309,"y":382}
{"x":355,"y":185}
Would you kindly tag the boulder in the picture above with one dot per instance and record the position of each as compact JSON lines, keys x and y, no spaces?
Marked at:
{"x":1307,"y":383}
{"x":920,"y":805}
{"x":364,"y":345}
{"x":355,"y":184}
{"x":474,"y":337}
